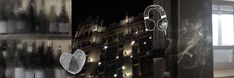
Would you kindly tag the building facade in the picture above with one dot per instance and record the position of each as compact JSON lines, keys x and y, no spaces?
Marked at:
{"x":120,"y":50}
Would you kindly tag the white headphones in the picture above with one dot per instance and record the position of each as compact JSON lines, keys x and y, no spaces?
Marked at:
{"x":150,"y":24}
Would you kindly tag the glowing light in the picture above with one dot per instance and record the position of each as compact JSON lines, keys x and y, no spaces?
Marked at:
{"x":99,"y":63}
{"x":115,"y":75}
{"x":105,"y":47}
{"x":144,"y":42}
{"x":131,"y":56}
{"x":150,"y":37}
{"x":117,"y":57}
{"x":146,"y":30}
{"x":123,"y":67}
{"x":133,"y":42}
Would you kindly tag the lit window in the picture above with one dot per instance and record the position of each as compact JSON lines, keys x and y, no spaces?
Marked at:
{"x":222,"y":27}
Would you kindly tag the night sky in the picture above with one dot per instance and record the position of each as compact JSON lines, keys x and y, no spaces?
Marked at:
{"x":109,"y":10}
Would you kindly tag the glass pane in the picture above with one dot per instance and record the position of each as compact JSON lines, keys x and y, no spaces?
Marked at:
{"x":215,"y":28}
{"x":227,"y":29}
{"x":223,"y":55}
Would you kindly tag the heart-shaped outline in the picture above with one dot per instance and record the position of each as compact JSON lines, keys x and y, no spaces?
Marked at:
{"x":82,"y":64}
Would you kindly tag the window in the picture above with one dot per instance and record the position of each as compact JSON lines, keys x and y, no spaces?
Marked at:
{"x":222,"y":21}
{"x":223,"y":33}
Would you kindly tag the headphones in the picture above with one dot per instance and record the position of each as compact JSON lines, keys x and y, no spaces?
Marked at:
{"x":150,"y":24}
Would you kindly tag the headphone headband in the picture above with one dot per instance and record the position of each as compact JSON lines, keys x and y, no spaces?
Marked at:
{"x":156,"y":7}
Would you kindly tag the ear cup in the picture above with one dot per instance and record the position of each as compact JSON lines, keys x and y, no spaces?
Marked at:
{"x":150,"y":24}
{"x":162,"y":24}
